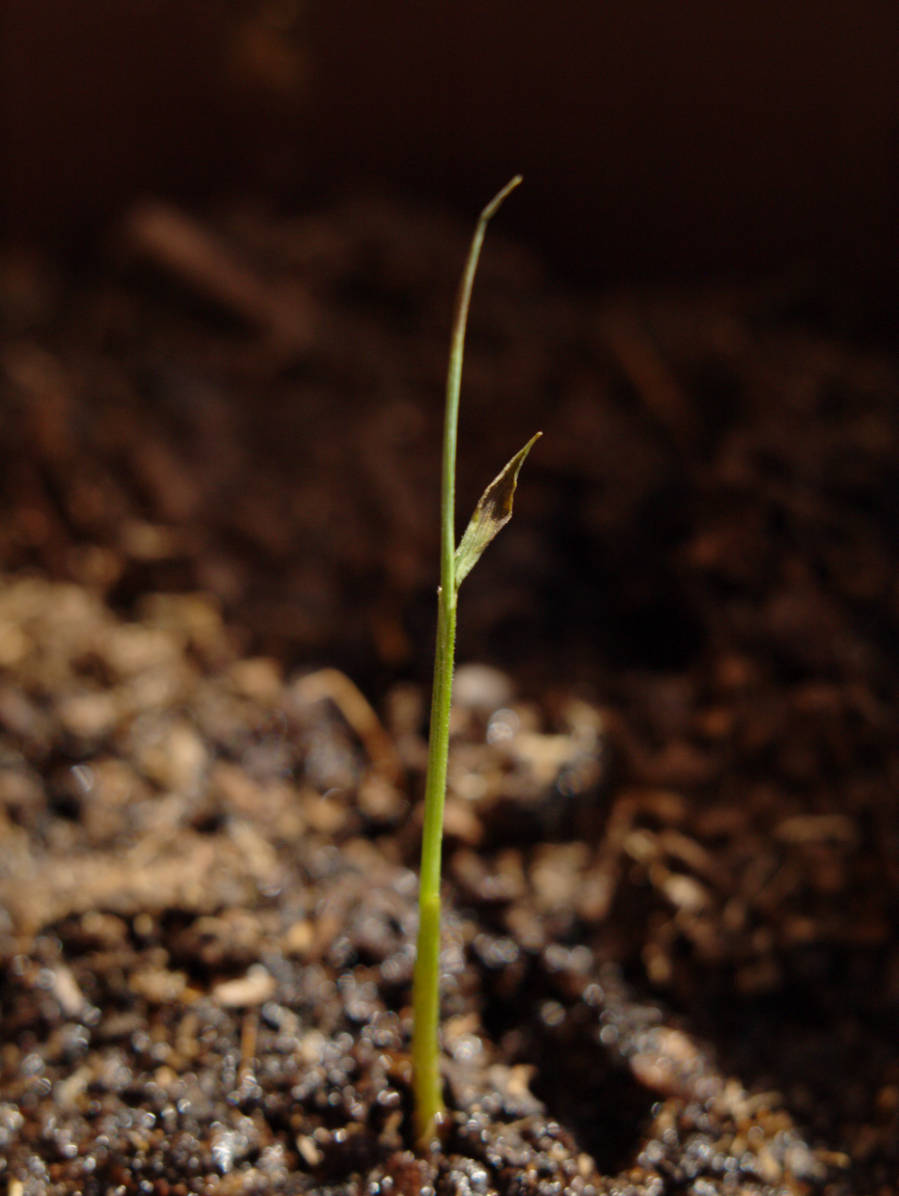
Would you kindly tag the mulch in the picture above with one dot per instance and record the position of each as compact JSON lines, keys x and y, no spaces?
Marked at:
{"x":672,"y":860}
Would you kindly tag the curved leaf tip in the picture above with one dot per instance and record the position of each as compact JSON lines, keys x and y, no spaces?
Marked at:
{"x":492,"y":513}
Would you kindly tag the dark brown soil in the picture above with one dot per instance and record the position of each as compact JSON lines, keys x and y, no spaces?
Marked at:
{"x":672,"y":867}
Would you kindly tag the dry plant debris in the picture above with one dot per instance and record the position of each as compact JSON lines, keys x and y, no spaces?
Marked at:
{"x":672,"y":828}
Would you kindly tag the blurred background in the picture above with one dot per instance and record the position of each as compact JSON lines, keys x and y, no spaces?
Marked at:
{"x":213,"y":210}
{"x":230,"y":236}
{"x":658,"y":141}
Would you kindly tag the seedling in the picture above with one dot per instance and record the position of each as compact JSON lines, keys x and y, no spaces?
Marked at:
{"x":493,"y":511}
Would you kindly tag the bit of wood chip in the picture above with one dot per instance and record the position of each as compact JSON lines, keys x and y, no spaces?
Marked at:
{"x":256,"y":986}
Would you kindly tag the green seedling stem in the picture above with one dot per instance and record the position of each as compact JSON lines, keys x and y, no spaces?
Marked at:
{"x":492,"y":512}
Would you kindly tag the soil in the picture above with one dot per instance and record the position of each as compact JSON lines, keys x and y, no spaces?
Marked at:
{"x":672,"y":859}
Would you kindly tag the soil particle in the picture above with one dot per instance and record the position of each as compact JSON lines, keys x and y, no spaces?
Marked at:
{"x":670,"y":957}
{"x":163,"y":1032}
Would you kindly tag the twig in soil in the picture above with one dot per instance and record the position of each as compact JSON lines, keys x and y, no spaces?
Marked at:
{"x":493,"y":511}
{"x":650,"y":376}
{"x":352,"y":704}
{"x":184,"y":248}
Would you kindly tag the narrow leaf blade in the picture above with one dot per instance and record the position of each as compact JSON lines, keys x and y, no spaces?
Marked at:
{"x":493,"y":512}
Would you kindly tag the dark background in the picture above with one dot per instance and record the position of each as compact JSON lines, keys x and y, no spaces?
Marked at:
{"x":658,"y":140}
{"x":236,"y":392}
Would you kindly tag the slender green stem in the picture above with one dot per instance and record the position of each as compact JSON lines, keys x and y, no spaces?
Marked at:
{"x":426,"y":981}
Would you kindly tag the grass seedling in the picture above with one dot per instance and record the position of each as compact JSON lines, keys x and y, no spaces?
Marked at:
{"x":493,"y":511}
